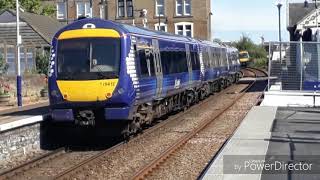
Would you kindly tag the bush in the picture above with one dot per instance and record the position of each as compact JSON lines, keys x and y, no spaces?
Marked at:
{"x":260,"y":63}
{"x":42,"y":63}
{"x":258,"y":55}
{"x":3,"y":66}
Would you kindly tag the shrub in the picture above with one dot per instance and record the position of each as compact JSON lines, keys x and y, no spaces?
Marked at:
{"x":3,"y":66}
{"x":42,"y":63}
{"x":258,"y":55}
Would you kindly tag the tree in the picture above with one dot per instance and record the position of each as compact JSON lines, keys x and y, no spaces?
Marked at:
{"x":217,"y":40}
{"x":258,"y":55}
{"x":3,"y":66}
{"x":33,"y":6}
{"x":246,"y":44}
{"x":42,"y":63}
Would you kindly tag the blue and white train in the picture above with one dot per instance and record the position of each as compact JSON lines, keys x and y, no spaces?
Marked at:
{"x":102,"y":71}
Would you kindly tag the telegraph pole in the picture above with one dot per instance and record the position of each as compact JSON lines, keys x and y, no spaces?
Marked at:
{"x":19,"y":81}
{"x":91,"y":13}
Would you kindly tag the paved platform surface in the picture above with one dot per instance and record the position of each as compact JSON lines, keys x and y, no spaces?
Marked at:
{"x":21,"y":116}
{"x":269,"y":135}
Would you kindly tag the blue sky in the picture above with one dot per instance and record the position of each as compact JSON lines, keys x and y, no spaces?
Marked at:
{"x":256,"y":18}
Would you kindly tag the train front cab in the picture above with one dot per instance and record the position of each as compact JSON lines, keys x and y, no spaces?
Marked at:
{"x":88,"y":82}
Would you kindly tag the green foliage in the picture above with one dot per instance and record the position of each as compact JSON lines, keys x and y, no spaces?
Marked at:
{"x":48,"y":10}
{"x":3,"y":70}
{"x":260,"y":63}
{"x":33,"y":6}
{"x":257,"y":53}
{"x":3,"y":66}
{"x":217,"y":40}
{"x":42,"y":63}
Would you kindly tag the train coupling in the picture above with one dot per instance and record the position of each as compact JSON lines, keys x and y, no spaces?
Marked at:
{"x":85,"y":118}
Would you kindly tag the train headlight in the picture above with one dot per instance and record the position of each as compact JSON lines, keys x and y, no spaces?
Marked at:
{"x":108,"y":95}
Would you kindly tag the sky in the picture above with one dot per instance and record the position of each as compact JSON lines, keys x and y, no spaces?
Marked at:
{"x":255,"y":18}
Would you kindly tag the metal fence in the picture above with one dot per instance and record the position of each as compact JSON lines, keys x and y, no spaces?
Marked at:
{"x":294,"y":66}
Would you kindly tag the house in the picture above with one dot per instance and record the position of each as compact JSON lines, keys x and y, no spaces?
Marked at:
{"x":185,"y":17}
{"x":302,"y":16}
{"x":36,"y":33}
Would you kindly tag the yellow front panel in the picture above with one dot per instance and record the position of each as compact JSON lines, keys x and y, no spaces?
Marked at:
{"x":87,"y":91}
{"x":89,"y":33}
{"x":244,"y":60}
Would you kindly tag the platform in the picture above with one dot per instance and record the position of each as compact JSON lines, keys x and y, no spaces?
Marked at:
{"x":268,"y":135}
{"x":22,"y":116}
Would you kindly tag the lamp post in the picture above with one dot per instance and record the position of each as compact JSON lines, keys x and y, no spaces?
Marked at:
{"x":91,"y":12}
{"x":209,"y":26}
{"x":279,"y":5}
{"x":19,"y":87}
{"x":159,"y":21}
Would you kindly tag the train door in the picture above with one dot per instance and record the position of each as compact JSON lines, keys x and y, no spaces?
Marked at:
{"x":158,"y":67}
{"x":202,"y":69}
{"x":226,"y":55}
{"x":189,"y":63}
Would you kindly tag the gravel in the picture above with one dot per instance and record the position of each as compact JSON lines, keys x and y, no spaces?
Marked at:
{"x":130,"y":158}
{"x":189,"y":161}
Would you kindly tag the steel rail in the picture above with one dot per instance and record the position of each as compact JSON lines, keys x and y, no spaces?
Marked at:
{"x":153,"y":165}
{"x":260,"y":71}
{"x":31,"y":164}
{"x":69,"y":172}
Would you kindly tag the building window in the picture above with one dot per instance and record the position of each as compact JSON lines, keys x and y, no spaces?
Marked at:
{"x":183,"y":7}
{"x":61,"y":10}
{"x":83,"y":9}
{"x":120,"y":8}
{"x":184,"y":28}
{"x":187,"y":7}
{"x":179,"y":11}
{"x":179,"y":29}
{"x":129,"y":8}
{"x":159,"y":7}
{"x":125,"y":8}
{"x":163,"y":27}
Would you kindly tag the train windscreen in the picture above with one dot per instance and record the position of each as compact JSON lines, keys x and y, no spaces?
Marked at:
{"x":88,"y":58}
{"x":244,"y":55}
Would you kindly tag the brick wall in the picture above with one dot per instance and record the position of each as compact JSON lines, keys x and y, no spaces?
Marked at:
{"x":18,"y":145}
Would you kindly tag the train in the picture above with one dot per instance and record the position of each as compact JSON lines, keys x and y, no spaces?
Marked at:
{"x":244,"y":58}
{"x":103,"y":72}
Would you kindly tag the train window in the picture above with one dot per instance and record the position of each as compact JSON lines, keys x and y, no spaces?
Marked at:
{"x":182,"y":62}
{"x":213,"y":62}
{"x":165,"y":61}
{"x":205,"y":58}
{"x":174,"y":62}
{"x":146,"y":62}
{"x":195,"y":61}
{"x":216,"y":58}
{"x":88,"y":59}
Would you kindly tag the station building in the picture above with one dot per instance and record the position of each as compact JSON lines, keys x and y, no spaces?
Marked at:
{"x":36,"y":33}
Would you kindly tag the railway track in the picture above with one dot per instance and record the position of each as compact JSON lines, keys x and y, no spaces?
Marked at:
{"x":254,"y":72}
{"x":80,"y":166}
{"x":166,"y":155}
{"x":19,"y":171}
{"x":32,"y":163}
